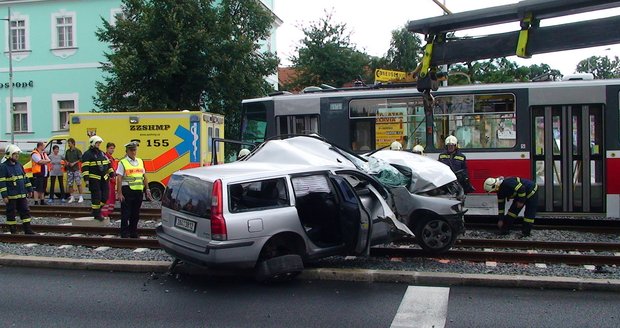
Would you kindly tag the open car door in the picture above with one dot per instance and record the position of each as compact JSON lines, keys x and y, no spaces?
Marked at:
{"x":355,"y":223}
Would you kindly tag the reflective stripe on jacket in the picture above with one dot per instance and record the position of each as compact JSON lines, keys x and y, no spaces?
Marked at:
{"x":134,"y":174}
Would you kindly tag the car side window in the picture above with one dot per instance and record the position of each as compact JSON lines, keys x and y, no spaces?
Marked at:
{"x":257,"y":195}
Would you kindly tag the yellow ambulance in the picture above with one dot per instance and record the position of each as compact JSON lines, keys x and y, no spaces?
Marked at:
{"x":169,"y":141}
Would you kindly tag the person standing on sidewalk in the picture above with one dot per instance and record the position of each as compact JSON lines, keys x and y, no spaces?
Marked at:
{"x":57,"y":172}
{"x":131,"y":182}
{"x":73,"y":159}
{"x":40,"y":172}
{"x":108,"y":207}
{"x":96,"y":169}
{"x":15,"y":187}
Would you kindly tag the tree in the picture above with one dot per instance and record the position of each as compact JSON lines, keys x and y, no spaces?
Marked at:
{"x":499,"y":70}
{"x":175,"y":55}
{"x":600,"y":67}
{"x":326,"y":56}
{"x":405,"y":51}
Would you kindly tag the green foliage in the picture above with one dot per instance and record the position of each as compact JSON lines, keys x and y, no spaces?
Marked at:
{"x":600,"y":67}
{"x":405,"y":51}
{"x":327,"y":56}
{"x":498,"y":70}
{"x":181,"y":54}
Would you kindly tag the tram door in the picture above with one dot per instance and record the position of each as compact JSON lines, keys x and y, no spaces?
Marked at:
{"x":568,"y":157}
{"x":297,"y":124}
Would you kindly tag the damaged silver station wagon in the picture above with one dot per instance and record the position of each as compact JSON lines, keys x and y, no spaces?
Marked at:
{"x":299,"y":199}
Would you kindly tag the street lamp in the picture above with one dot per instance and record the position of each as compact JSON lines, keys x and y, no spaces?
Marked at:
{"x":11,"y":109}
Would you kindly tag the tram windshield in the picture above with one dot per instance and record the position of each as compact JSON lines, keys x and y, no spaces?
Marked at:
{"x":254,"y":122}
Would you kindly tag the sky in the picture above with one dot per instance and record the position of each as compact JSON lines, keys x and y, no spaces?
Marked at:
{"x":371,"y":24}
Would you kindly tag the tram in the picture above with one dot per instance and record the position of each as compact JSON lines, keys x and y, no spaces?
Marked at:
{"x":565,"y":135}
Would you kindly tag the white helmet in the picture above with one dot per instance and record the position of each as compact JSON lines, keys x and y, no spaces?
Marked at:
{"x":243,"y":152}
{"x":451,"y":140}
{"x":418,"y":149}
{"x":12,"y":149}
{"x":492,"y":184}
{"x":94,"y":139}
{"x":396,"y":146}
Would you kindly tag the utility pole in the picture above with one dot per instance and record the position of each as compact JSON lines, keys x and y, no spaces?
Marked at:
{"x":11,"y":109}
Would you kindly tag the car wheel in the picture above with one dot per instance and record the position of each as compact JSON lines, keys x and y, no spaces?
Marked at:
{"x":157,"y":191}
{"x":278,"y":261}
{"x":435,"y":235}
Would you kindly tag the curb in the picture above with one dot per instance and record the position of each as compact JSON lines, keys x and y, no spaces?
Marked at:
{"x":357,"y":275}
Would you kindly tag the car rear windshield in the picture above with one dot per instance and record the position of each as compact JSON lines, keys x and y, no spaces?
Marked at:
{"x":189,"y":195}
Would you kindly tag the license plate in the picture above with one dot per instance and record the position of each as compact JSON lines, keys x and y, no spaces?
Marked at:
{"x":185,"y":224}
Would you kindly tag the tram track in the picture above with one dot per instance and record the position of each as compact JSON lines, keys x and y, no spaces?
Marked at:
{"x":81,"y":211}
{"x":466,"y":249}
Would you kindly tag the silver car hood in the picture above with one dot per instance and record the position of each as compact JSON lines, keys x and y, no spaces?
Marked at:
{"x":427,"y":173}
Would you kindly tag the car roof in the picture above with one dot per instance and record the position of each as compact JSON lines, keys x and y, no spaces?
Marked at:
{"x":242,"y":170}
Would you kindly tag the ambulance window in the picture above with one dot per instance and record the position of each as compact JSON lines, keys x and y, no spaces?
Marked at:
{"x":209,"y":137}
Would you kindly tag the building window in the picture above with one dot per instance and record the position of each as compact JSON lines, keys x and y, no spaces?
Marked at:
{"x":20,"y":117}
{"x":64,"y":30}
{"x":18,"y":35}
{"x":65,"y":107}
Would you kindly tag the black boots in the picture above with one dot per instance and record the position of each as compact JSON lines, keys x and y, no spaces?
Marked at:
{"x":27,"y":229}
{"x":12,"y":229}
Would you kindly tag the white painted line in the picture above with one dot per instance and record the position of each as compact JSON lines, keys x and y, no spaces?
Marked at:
{"x":65,"y":246}
{"x":140,"y":250}
{"x":589,"y":267}
{"x":541,"y":265}
{"x":102,"y":248}
{"x":423,"y":307}
{"x":490,"y":263}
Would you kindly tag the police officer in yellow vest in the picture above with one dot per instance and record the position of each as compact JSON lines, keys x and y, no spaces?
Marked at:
{"x":131,"y":182}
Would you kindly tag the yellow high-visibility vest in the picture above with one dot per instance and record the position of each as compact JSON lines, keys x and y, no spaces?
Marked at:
{"x":134,"y":175}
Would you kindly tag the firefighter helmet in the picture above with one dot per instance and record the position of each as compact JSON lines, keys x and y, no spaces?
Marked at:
{"x":12,"y":149}
{"x":418,"y":149}
{"x":243,"y":152}
{"x":451,"y":140}
{"x":94,"y":140}
{"x":396,"y":146}
{"x":492,"y":184}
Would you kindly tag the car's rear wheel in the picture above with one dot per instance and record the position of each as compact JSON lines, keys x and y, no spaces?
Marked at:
{"x":157,"y":191}
{"x":280,"y":260}
{"x":435,"y":235}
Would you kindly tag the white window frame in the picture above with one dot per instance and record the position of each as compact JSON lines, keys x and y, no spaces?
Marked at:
{"x":18,"y":54}
{"x":57,"y":50}
{"x":28,"y":101}
{"x":57,"y":125}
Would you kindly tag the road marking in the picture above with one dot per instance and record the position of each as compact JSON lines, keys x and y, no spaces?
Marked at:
{"x":423,"y":307}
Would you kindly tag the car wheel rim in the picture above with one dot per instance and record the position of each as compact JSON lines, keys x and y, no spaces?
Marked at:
{"x":437,"y":234}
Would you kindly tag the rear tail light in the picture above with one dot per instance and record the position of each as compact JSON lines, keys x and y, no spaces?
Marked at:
{"x":218,"y":224}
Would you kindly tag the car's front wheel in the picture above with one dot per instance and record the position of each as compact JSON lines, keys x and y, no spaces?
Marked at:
{"x":435,"y":235}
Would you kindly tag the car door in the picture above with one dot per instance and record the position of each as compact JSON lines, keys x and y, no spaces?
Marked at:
{"x":393,"y":229}
{"x":355,"y":222}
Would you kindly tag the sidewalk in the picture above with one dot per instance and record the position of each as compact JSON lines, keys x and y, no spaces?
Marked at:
{"x":362,"y":275}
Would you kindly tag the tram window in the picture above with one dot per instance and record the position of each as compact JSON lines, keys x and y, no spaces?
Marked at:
{"x":376,"y":123}
{"x":254,"y":122}
{"x":478,"y":121}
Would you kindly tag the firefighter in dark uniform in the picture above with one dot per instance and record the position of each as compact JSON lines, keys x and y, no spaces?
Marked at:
{"x":131,"y":185}
{"x":96,"y":170}
{"x":523,"y":193}
{"x":15,"y":187}
{"x":457,"y":162}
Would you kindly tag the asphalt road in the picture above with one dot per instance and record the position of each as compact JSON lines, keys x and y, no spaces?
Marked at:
{"x":38,"y":297}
